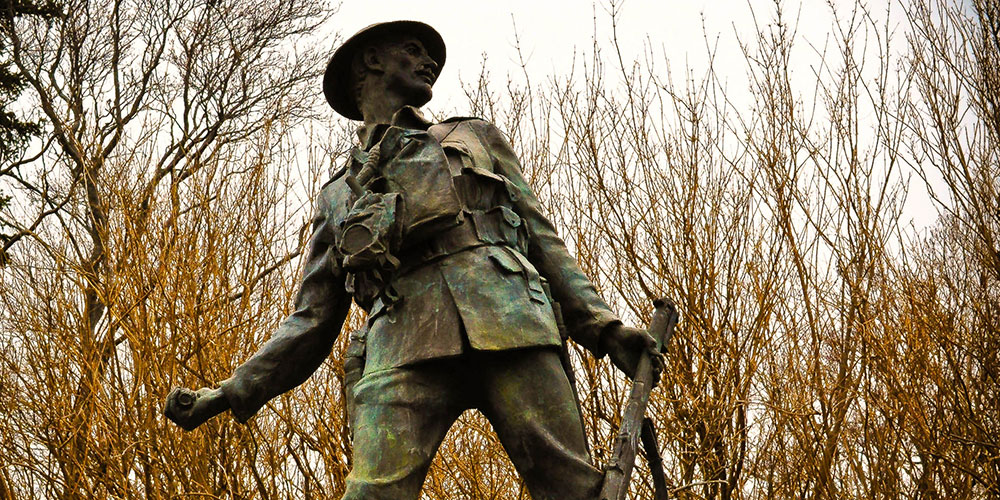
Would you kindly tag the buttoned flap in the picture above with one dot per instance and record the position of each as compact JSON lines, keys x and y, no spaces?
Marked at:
{"x":505,"y":262}
{"x":407,"y":142}
{"x":461,"y":147}
{"x":472,"y":150}
{"x":512,"y":262}
{"x":510,"y":217}
{"x":463,"y":139}
{"x":488,"y":174}
{"x":498,"y":226}
{"x":494,"y":177}
{"x":457,"y":150}
{"x":411,"y":137}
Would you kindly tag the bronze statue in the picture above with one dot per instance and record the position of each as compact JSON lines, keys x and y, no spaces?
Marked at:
{"x":433,"y":230}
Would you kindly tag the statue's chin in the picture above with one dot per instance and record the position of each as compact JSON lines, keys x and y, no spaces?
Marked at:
{"x":421,"y":97}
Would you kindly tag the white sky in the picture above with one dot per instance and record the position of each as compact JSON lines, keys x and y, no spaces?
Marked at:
{"x":551,"y":31}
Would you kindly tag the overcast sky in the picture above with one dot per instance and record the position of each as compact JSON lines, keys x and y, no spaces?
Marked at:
{"x":551,"y":31}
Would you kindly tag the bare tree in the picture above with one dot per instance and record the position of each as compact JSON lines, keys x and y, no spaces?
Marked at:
{"x":826,"y":350}
{"x":152,"y":234}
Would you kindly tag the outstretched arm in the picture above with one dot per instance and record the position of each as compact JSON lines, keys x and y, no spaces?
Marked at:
{"x":291,"y":355}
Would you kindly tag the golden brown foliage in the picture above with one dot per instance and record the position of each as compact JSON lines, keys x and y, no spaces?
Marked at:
{"x":827,"y":348}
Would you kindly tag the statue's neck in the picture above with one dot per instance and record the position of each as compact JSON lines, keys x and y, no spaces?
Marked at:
{"x":379,"y":106}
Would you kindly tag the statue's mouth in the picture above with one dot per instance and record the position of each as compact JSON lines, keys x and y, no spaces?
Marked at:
{"x":428,"y":76}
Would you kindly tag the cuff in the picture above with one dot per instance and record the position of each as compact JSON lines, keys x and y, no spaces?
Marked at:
{"x":600,"y":352}
{"x":238,"y":395}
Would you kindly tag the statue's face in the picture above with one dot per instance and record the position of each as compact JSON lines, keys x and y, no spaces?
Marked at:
{"x":408,"y":70}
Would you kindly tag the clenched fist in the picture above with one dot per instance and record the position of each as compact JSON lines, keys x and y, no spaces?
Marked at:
{"x":189,"y":409}
{"x":625,"y":345}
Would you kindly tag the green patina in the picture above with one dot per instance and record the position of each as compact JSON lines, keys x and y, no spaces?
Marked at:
{"x":433,"y":230}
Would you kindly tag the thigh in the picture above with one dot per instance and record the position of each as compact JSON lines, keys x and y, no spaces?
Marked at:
{"x":531,"y":405}
{"x":401,"y":417}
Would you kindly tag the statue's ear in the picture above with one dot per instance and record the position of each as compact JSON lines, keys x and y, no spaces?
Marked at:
{"x":372,"y":58}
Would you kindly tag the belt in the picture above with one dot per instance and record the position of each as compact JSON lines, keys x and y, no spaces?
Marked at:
{"x":498,"y":226}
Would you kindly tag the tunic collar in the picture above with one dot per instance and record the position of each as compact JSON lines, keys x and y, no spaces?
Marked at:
{"x":406,"y":117}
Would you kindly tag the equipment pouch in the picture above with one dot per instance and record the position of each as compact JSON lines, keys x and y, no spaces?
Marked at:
{"x":370,"y":234}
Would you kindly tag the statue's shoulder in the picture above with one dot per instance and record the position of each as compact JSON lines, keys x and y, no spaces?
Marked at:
{"x":480,"y":125}
{"x":334,"y":195}
{"x":470,"y":121}
{"x":456,"y":119}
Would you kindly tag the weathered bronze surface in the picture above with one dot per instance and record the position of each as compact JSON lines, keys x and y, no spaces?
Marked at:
{"x":433,"y":230}
{"x":634,"y":425}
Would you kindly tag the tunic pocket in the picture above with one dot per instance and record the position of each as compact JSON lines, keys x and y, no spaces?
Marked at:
{"x":506,"y":263}
{"x":517,"y":264}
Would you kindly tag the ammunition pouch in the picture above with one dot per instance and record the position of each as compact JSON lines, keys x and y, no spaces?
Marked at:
{"x":414,"y":165}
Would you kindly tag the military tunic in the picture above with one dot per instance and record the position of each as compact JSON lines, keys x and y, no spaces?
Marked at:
{"x":466,"y":299}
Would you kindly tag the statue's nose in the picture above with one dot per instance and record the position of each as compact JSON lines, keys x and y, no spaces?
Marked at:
{"x":430,"y":63}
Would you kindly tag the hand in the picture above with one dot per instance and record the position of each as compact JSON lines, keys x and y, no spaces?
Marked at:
{"x":625,"y":345}
{"x":189,"y":409}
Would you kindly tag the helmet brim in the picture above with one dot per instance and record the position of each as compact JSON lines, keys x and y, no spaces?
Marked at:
{"x":337,"y":80}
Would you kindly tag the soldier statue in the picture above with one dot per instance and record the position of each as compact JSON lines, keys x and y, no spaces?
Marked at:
{"x":432,"y":229}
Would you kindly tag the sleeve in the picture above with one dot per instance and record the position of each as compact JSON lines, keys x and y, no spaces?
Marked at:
{"x":585,"y":313}
{"x":304,"y":339}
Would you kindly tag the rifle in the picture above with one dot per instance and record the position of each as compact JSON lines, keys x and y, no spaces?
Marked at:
{"x":368,"y":170}
{"x":618,"y":472}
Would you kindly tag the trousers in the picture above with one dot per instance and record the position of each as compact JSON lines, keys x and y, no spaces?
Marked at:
{"x":401,"y":415}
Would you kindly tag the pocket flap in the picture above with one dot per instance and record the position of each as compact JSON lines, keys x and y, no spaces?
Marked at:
{"x":457,"y":146}
{"x":510,"y":216}
{"x":534,"y":279}
{"x":482,"y":172}
{"x":505,"y":262}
